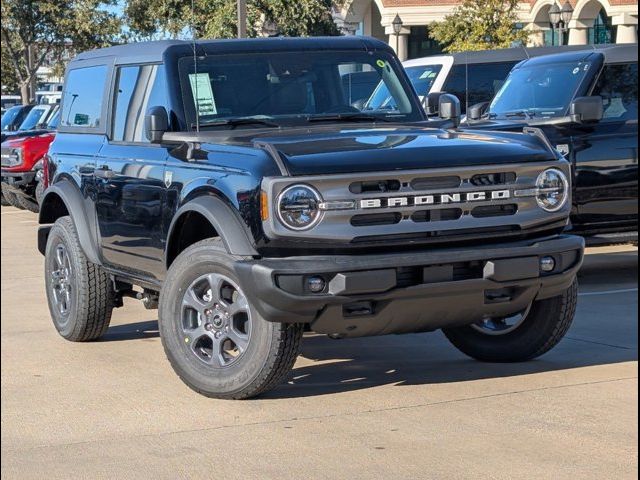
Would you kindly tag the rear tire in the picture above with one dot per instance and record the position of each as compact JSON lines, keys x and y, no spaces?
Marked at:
{"x":543,"y":327}
{"x":197,"y":327}
{"x":79,"y":293}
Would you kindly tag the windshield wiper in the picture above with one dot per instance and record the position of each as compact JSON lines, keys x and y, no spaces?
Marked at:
{"x":519,"y":113}
{"x":348,"y":117}
{"x":235,"y":122}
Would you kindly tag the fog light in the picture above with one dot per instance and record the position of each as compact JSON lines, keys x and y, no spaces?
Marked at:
{"x":547,"y":264}
{"x":315,"y":284}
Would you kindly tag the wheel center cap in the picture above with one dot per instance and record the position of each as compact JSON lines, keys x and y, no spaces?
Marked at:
{"x":217,"y":321}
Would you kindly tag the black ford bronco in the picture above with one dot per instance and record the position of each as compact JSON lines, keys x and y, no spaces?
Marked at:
{"x":586,"y":103}
{"x":234,"y":185}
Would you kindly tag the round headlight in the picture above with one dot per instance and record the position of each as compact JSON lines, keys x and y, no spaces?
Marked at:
{"x":553,"y":190}
{"x":298,"y":207}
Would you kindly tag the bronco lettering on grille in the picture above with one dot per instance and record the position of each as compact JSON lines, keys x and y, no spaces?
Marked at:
{"x":434,"y":199}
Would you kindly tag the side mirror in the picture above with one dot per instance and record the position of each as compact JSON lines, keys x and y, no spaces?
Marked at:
{"x":432,"y":103}
{"x":476,"y":111}
{"x":449,"y":109}
{"x":156,"y":123}
{"x":586,"y":109}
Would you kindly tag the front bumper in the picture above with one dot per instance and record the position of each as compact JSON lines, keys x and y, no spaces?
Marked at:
{"x":413,"y":291}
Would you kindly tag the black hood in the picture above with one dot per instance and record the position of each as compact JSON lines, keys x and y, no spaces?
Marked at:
{"x":341,"y":149}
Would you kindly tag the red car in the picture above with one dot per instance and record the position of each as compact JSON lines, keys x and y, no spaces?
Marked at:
{"x":22,"y":169}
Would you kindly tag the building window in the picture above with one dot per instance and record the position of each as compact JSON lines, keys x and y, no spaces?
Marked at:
{"x":421,"y":44}
{"x":602,"y":30}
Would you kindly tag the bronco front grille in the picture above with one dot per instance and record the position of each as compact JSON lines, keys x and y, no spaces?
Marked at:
{"x":421,"y":205}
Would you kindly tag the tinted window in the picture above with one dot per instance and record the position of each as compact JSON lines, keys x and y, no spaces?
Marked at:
{"x":484,"y":81}
{"x":618,"y":87}
{"x":138,"y":88}
{"x":83,"y":96}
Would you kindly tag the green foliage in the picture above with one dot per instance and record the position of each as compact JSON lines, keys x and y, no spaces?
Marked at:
{"x":218,"y":18}
{"x":35,"y":32}
{"x":480,"y":25}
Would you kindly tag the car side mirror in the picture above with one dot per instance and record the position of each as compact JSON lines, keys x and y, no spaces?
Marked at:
{"x":476,"y":111}
{"x":156,"y":123}
{"x":432,"y":103}
{"x":586,"y":109}
{"x":449,"y":108}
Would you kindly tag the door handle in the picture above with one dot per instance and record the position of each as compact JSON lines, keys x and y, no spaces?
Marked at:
{"x":104,"y":172}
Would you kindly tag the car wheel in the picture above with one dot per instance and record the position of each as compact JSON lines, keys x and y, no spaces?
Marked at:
{"x":215,"y":340}
{"x":521,"y":337}
{"x":28,"y":204}
{"x":80,"y":293}
{"x":11,"y":198}
{"x":39,"y":192}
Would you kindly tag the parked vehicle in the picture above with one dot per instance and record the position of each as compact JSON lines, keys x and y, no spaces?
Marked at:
{"x":36,"y":121}
{"x":586,"y":102}
{"x":473,"y":77}
{"x":22,"y":169}
{"x":252,"y":201}
{"x":13,"y":117}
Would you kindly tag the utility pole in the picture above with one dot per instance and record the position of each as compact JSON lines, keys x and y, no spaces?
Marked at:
{"x":242,"y":18}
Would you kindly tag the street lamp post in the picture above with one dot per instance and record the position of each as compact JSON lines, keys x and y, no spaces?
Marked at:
{"x":560,"y":18}
{"x":397,"y":28}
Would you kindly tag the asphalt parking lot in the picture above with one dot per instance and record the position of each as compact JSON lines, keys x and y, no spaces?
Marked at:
{"x":401,"y":407}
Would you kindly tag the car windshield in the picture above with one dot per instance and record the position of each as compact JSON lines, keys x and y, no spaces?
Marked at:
{"x":52,"y":124}
{"x":422,"y":78}
{"x":539,"y":90}
{"x":34,"y":118}
{"x":278,"y":88}
{"x":9,"y":116}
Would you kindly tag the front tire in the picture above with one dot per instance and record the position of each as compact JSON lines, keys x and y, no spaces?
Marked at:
{"x":28,"y":204}
{"x":215,"y":340}
{"x":11,"y":198}
{"x":543,"y":326}
{"x":79,"y":293}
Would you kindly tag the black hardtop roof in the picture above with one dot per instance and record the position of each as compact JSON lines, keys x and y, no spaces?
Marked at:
{"x":612,"y":54}
{"x":524,"y":53}
{"x":155,"y":51}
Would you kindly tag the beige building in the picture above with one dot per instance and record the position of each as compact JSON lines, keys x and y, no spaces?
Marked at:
{"x":592,"y":22}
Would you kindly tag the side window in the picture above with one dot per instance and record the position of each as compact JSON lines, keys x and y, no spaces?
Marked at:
{"x":485,"y":79}
{"x":83,"y":96}
{"x":137,"y":88}
{"x":618,"y":87}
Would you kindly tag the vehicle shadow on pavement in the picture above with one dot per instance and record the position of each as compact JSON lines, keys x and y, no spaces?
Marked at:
{"x":131,"y":331}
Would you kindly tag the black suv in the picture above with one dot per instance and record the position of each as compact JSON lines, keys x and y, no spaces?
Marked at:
{"x":586,"y":102}
{"x":232,"y":184}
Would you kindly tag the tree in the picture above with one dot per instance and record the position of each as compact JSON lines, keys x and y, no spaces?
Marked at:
{"x":218,"y":18}
{"x":480,"y":25}
{"x":39,"y":32}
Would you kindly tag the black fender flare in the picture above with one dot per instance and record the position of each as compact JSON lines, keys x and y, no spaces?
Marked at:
{"x":74,"y":203}
{"x":223,"y":219}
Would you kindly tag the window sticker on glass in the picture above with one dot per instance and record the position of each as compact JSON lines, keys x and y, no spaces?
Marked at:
{"x":203,"y":94}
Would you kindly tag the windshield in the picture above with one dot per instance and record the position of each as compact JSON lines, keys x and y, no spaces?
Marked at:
{"x":35,"y":117}
{"x":539,"y":90}
{"x":9,"y":117}
{"x":280,"y":88}
{"x":52,"y":124}
{"x":422,"y":78}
